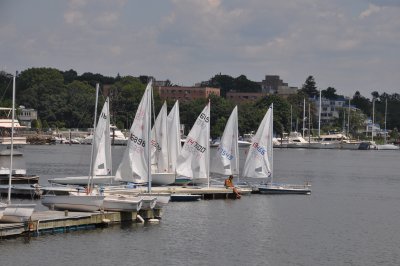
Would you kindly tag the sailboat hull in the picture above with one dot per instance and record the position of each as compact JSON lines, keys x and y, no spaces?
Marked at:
{"x":284,"y":189}
{"x":87,"y":203}
{"x":122,"y":203}
{"x":17,"y":213}
{"x":162,"y":179}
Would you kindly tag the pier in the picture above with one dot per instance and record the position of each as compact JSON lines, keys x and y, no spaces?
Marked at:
{"x":206,"y":193}
{"x":51,"y":222}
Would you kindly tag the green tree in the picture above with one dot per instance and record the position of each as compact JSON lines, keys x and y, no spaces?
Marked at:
{"x":309,"y":87}
{"x":329,"y":93}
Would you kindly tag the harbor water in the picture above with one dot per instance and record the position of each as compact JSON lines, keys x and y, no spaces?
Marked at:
{"x":352,"y":217}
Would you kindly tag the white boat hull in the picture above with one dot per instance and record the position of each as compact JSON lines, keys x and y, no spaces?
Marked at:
{"x":162,"y":199}
{"x":122,"y":203}
{"x":17,"y":213}
{"x":284,"y":189}
{"x":87,"y":203}
{"x":387,"y":147}
{"x":162,"y":179}
{"x":148,"y":202}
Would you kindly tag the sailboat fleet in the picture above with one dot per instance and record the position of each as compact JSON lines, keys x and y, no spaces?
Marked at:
{"x":154,"y":156}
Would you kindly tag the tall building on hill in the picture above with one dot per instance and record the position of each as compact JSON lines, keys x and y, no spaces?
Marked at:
{"x":273,"y":84}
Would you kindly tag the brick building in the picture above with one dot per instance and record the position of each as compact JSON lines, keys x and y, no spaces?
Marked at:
{"x":186,"y":93}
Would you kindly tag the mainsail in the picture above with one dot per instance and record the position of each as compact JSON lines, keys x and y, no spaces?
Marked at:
{"x":225,"y":159}
{"x":134,"y":165}
{"x":193,"y":161}
{"x":259,"y":158}
{"x":174,"y":136}
{"x":159,"y":142}
{"x":102,"y":143}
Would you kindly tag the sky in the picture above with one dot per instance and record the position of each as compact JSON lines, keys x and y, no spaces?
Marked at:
{"x":349,"y":45}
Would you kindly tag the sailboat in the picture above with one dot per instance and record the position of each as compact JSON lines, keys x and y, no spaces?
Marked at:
{"x":101,"y":149}
{"x":14,"y":212}
{"x":88,"y":201}
{"x":386,"y":146}
{"x":160,"y":170}
{"x":226,"y":160}
{"x":136,"y":162}
{"x":259,"y":160}
{"x":193,"y":161}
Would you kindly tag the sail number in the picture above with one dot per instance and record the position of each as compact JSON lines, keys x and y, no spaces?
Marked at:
{"x":155,"y":145}
{"x":137,"y":140}
{"x":225,"y":153}
{"x":194,"y":146}
{"x":259,"y":148}
{"x":202,"y":120}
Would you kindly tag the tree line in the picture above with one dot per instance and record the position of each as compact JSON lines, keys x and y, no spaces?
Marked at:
{"x":65,"y":99}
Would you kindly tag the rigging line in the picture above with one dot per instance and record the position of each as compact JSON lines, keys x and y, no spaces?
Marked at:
{"x":9,"y":82}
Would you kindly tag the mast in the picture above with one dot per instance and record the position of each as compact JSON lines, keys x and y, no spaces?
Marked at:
{"x":385,"y":120}
{"x":348,"y":121}
{"x":208,"y":146}
{"x":149,"y":139}
{"x":373,"y":119}
{"x":12,"y":143}
{"x":90,"y":179}
{"x":309,"y":123}
{"x":319,"y":115}
{"x":291,"y":119}
{"x":304,"y":115}
{"x":270,"y":144}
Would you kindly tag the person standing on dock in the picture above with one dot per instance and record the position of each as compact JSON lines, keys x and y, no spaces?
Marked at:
{"x":229,"y":184}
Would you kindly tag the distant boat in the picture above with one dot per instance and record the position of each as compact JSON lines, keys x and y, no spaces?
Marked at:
{"x":116,"y":137}
{"x":259,"y":161}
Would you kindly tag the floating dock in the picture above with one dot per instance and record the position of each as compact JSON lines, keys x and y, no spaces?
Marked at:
{"x":207,"y":193}
{"x":50,"y":222}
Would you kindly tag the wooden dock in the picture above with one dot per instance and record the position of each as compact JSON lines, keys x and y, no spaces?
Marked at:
{"x":207,"y":193}
{"x":50,"y":222}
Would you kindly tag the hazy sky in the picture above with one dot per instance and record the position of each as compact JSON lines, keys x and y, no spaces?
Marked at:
{"x":346,"y":44}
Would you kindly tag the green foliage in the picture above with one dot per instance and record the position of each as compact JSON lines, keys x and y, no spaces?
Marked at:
{"x":329,"y":93}
{"x":227,"y":83}
{"x":309,"y":87}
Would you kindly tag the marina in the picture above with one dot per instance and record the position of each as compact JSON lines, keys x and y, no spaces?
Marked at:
{"x":351,"y":211}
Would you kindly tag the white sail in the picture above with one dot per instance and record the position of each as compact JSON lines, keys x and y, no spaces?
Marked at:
{"x":159,"y":142}
{"x":193,"y":161}
{"x":102,"y":143}
{"x":225,"y":160}
{"x":174,"y":136}
{"x":134,"y":164}
{"x":259,"y":158}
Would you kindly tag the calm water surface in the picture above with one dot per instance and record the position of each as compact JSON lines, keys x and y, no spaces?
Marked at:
{"x":352,"y":217}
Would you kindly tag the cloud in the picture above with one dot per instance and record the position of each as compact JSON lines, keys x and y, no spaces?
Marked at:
{"x":371,"y":10}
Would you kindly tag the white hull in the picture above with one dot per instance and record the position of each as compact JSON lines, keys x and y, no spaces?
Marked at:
{"x":199,"y":181}
{"x":162,"y":179}
{"x":2,"y":208}
{"x":284,"y":189}
{"x":148,"y":202}
{"x":87,"y":203}
{"x":17,"y":213}
{"x":387,"y":147}
{"x":122,"y":203}
{"x":82,"y":180}
{"x":162,"y":199}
